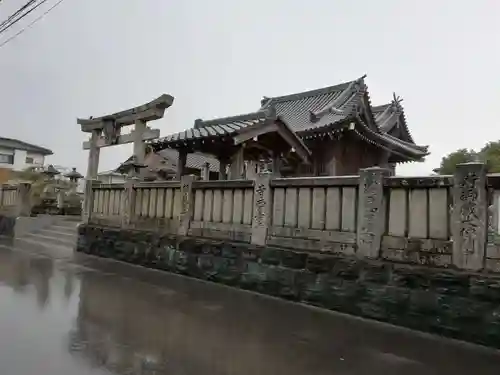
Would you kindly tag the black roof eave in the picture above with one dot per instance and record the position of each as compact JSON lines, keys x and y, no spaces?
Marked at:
{"x":379,"y":139}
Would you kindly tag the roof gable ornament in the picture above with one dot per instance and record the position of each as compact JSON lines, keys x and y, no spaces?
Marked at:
{"x":270,"y":112}
{"x":335,"y":107}
{"x":264,"y":101}
{"x":396,"y":102}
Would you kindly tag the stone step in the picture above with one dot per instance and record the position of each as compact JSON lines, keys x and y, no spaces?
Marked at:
{"x":51,"y":238}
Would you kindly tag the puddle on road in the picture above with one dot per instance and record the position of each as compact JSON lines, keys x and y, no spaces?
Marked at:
{"x":90,"y":316}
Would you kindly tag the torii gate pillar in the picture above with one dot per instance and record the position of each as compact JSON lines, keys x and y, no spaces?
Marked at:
{"x":106,"y":131}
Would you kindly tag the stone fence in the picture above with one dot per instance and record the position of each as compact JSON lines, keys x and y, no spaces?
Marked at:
{"x":14,"y":202}
{"x":8,"y":197}
{"x":438,"y":221}
{"x":421,"y":252}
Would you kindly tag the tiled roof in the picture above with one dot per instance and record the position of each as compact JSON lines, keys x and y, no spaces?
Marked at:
{"x":391,"y":143}
{"x":391,"y":115}
{"x":21,"y":145}
{"x":380,"y":115}
{"x":316,"y":108}
{"x":422,"y":150}
{"x":216,"y":128}
{"x":303,"y":111}
{"x":307,"y":112}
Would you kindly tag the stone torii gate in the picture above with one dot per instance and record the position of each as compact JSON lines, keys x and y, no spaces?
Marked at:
{"x":105,"y":131}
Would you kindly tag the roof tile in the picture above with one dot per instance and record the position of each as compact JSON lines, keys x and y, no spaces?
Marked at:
{"x":307,"y":111}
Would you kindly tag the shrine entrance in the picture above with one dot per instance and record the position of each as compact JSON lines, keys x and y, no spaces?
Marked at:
{"x":106,"y":131}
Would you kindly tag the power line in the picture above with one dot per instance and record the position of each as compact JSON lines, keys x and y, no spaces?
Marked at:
{"x":13,"y":22}
{"x":17,"y":12}
{"x":31,"y":24}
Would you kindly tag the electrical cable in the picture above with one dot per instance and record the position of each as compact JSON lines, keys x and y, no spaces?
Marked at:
{"x":13,"y":15}
{"x":31,"y":24}
{"x":19,"y":18}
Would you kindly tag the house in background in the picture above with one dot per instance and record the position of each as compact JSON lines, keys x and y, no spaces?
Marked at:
{"x":111,"y":177}
{"x":18,"y":155}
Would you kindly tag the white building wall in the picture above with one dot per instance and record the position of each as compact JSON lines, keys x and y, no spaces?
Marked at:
{"x":19,"y":159}
{"x":38,"y":159}
{"x":4,"y":152}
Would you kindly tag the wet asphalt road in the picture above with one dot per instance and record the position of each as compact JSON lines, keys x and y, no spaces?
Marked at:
{"x":67,"y":314}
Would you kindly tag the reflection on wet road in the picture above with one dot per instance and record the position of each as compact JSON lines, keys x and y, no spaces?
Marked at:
{"x":62,"y":314}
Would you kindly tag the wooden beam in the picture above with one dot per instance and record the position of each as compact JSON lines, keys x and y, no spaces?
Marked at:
{"x":148,"y":135}
{"x":276,"y":126}
{"x":295,"y":142}
{"x":153,"y":110}
{"x":251,"y":132}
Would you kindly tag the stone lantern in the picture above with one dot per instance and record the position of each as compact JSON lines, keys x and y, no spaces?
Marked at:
{"x":50,"y":200}
{"x":51,"y":172}
{"x":74,"y":177}
{"x":72,"y":204}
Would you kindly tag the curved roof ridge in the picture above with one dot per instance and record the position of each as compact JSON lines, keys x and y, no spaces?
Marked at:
{"x":392,"y":114}
{"x":337,"y":105}
{"x":424,"y":148}
{"x":299,"y":95}
{"x":397,"y":100}
{"x":404,"y":145}
{"x":199,"y":123}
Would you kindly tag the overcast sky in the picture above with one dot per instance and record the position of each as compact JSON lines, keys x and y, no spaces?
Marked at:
{"x":219,"y":57}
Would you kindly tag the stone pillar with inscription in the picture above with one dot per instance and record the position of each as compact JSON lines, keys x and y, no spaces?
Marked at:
{"x":186,"y":204}
{"x":469,"y":221}
{"x":371,"y":211}
{"x":262,"y":203}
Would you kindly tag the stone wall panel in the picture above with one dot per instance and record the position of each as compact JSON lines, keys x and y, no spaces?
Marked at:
{"x":458,"y":304}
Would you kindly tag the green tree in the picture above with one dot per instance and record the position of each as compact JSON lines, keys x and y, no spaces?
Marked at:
{"x":490,"y":154}
{"x":38,"y":181}
{"x":450,"y":161}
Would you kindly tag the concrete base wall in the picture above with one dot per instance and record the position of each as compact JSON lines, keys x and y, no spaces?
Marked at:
{"x":7,"y":225}
{"x":456,"y":304}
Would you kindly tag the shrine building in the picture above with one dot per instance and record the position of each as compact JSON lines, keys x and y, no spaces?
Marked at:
{"x":325,"y":132}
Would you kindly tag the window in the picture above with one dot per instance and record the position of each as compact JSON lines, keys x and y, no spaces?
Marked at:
{"x":29,"y":160}
{"x":6,"y":159}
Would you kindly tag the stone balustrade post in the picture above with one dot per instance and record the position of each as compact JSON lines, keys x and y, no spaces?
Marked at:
{"x":371,"y":211}
{"x":469,"y":218}
{"x":262,"y":206}
{"x":186,"y":204}
{"x":23,"y":203}
{"x":88,"y":203}
{"x":129,"y":202}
